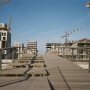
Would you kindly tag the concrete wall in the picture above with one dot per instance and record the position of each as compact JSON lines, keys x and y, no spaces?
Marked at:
{"x":4,"y":66}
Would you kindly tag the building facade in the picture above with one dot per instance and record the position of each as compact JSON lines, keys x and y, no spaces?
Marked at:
{"x":32,"y":46}
{"x":20,"y":48}
{"x":5,"y":38}
{"x":65,"y":50}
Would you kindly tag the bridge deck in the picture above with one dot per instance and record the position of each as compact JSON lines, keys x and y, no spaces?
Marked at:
{"x":61,"y":75}
{"x":65,"y":75}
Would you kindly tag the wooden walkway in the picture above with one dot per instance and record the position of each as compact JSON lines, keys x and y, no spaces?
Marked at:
{"x":57,"y":74}
{"x":65,"y":75}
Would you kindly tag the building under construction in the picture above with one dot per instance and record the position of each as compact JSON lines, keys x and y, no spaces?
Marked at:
{"x":32,"y":46}
{"x":65,"y":50}
{"x":5,"y":37}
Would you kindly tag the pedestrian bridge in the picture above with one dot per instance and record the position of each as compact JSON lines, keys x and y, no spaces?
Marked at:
{"x":44,"y":72}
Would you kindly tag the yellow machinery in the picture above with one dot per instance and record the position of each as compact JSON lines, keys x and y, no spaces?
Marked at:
{"x":88,"y":5}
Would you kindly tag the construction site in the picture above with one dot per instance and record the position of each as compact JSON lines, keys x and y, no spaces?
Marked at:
{"x":64,"y":66}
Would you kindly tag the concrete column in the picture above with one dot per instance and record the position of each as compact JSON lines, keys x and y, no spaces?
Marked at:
{"x":12,"y":54}
{"x":79,"y":53}
{"x":63,"y":52}
{"x":23,"y":52}
{"x":58,"y":51}
{"x":26,"y":51}
{"x":19,"y":52}
{"x":76,"y":54}
{"x":6,"y":58}
{"x":89,"y":63}
{"x":0,"y":60}
{"x":85,"y":55}
{"x":46,"y":49}
{"x":72,"y":54}
{"x":43,"y":75}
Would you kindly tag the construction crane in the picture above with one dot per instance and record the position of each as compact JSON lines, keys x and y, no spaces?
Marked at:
{"x":67,"y":34}
{"x":1,"y":3}
{"x":88,"y":5}
{"x":9,"y":24}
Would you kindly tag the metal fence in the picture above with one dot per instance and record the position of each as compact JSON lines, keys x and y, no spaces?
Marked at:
{"x":13,"y":53}
{"x":79,"y":55}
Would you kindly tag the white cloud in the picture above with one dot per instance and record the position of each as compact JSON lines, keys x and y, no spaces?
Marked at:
{"x":23,"y":33}
{"x":51,"y":31}
{"x":82,"y":19}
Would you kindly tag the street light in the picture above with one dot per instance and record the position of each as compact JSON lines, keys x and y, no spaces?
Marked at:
{"x":88,"y":5}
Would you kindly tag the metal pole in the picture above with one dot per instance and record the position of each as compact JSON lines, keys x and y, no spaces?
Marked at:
{"x":89,"y":63}
{"x":0,"y":60}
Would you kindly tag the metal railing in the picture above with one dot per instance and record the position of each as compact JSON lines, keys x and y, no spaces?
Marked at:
{"x":77,"y":54}
{"x":13,"y":53}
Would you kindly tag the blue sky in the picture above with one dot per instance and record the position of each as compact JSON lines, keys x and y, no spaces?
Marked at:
{"x":46,"y":20}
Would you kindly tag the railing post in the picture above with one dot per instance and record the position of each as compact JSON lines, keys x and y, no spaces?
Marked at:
{"x":89,"y":63}
{"x":0,"y":60}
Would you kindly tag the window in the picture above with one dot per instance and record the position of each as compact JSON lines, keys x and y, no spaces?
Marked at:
{"x":4,"y":38}
{"x":4,"y":34}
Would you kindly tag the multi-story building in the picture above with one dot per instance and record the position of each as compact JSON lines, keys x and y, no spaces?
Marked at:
{"x":5,"y":38}
{"x":20,"y":48}
{"x":65,"y":50}
{"x":32,"y":46}
{"x":53,"y":48}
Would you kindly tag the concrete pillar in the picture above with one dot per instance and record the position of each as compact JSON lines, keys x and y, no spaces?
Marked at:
{"x":43,"y":75}
{"x":46,"y":49}
{"x":63,"y":52}
{"x":26,"y":51}
{"x":79,"y":53}
{"x":19,"y":52}
{"x":58,"y":51}
{"x":12,"y":54}
{"x":6,"y":58}
{"x":33,"y":75}
{"x":85,"y":55}
{"x":0,"y":60}
{"x":72,"y":54}
{"x":89,"y":63}
{"x":76,"y":54}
